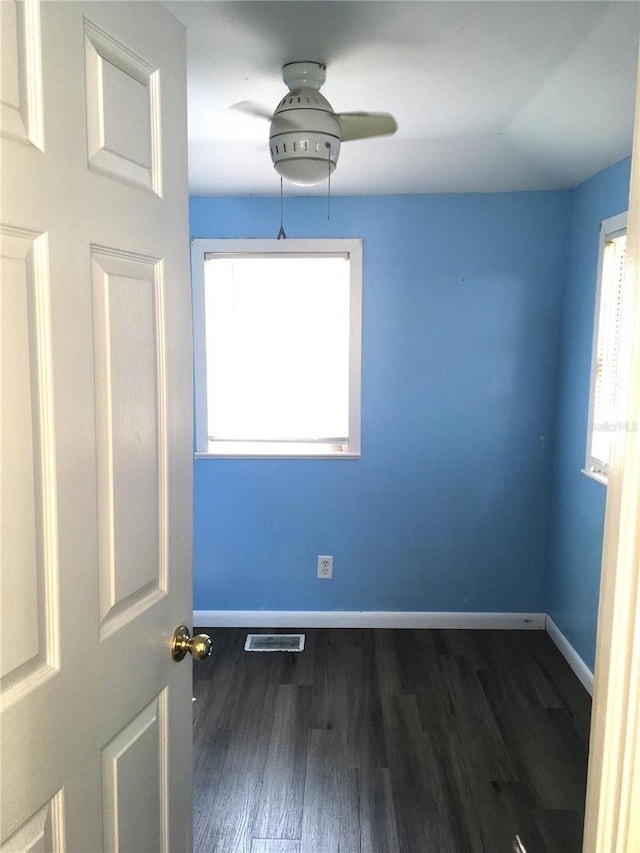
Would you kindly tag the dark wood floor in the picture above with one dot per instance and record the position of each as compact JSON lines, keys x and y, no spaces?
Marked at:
{"x":390,"y":742}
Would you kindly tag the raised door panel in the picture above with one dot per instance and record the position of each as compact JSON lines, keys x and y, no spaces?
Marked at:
{"x":134,"y":775}
{"x":131,"y":452}
{"x":123,"y":111}
{"x":21,"y":115}
{"x":43,"y":832}
{"x":29,"y":648}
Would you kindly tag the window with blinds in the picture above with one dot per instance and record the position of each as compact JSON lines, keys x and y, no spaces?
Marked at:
{"x":281,"y":328}
{"x":603,"y":404}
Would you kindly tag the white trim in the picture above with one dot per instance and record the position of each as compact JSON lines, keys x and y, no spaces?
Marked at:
{"x":366,"y":619}
{"x":582,"y":671}
{"x":609,"y":228}
{"x":199,"y":346}
{"x":614,"y":224}
{"x":594,"y":475}
{"x":206,"y":455}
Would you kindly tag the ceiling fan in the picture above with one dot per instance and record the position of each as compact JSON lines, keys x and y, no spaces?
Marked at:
{"x":305,"y":133}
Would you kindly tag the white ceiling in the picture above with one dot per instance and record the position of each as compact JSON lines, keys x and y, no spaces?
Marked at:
{"x":489,"y":96}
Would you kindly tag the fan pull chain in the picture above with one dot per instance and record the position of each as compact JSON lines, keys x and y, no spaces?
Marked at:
{"x":329,"y":184}
{"x":282,"y":234}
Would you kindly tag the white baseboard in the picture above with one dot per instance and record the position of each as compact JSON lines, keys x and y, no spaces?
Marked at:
{"x":397,"y":619}
{"x":365,"y":619}
{"x":582,"y":671}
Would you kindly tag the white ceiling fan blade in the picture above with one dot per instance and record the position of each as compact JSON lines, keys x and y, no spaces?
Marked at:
{"x":253,"y":108}
{"x":365,"y":125}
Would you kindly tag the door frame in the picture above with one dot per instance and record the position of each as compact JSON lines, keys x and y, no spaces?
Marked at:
{"x":612,"y":814}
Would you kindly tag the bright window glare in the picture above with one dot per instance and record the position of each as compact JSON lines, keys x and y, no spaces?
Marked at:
{"x":277,"y":348}
{"x":605,"y":402}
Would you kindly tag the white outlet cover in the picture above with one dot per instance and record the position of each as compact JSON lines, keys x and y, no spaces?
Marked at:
{"x":325,"y":567}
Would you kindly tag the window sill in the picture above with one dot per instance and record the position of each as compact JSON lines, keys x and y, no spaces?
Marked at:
{"x":200,"y":454}
{"x":593,"y":475}
{"x":280,"y":449}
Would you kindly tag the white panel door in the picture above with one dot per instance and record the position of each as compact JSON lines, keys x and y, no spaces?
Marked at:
{"x":96,"y":429}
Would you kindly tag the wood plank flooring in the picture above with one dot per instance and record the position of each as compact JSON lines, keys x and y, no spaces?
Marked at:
{"x":380,"y":741}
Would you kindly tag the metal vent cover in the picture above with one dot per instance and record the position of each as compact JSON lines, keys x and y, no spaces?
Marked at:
{"x":274,"y":643}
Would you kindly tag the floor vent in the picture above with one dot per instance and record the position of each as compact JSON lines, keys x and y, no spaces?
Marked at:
{"x":274,"y":643}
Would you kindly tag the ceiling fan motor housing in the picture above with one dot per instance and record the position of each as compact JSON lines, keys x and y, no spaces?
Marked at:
{"x":304,"y":139}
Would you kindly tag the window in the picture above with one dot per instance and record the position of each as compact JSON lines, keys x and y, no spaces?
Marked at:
{"x":277,"y":347}
{"x":606,"y":346}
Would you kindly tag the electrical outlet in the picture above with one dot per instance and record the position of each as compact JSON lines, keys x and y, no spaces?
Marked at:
{"x":325,"y":568}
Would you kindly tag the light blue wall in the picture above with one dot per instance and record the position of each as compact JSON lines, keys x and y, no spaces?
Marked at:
{"x":449,"y":506}
{"x":578,"y":502}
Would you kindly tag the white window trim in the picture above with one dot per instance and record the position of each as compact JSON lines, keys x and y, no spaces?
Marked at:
{"x":608,"y":229}
{"x":200,"y":248}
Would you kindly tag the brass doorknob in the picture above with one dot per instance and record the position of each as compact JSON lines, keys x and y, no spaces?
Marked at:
{"x":198,"y":646}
